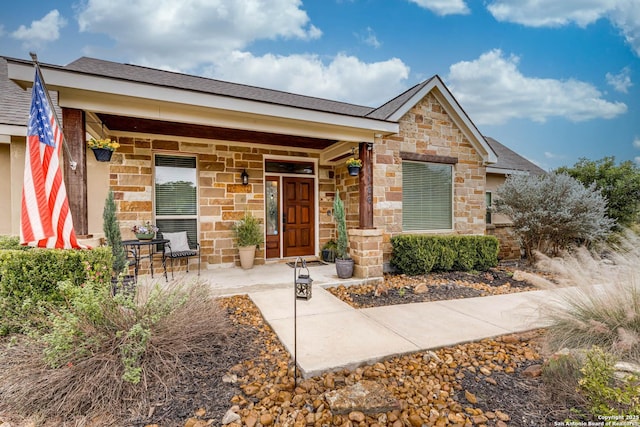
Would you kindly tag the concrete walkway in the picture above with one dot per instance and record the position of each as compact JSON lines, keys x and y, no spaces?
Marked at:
{"x":333,"y":335}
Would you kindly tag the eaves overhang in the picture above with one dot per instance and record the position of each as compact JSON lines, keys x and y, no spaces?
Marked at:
{"x":82,"y":86}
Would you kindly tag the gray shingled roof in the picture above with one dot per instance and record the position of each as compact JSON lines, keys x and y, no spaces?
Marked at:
{"x":15,"y":102}
{"x":387,"y":109}
{"x":510,"y":160}
{"x":157,"y":77}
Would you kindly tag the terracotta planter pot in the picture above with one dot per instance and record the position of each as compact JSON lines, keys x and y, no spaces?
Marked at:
{"x":247,"y":256}
{"x":344,"y":268}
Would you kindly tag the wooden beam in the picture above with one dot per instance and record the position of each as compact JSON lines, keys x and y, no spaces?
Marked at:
{"x":73,"y":126}
{"x":431,"y":158}
{"x":365,"y":151}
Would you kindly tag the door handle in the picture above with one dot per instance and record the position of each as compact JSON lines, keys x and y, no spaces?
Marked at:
{"x":284,"y":223}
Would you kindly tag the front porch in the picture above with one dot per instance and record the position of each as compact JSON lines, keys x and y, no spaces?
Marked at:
{"x":234,"y":280}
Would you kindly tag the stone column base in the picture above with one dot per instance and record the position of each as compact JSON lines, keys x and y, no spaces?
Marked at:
{"x":365,"y":247}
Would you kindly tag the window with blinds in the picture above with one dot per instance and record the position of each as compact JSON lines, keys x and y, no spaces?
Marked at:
{"x":427,"y":196}
{"x":176,"y":195}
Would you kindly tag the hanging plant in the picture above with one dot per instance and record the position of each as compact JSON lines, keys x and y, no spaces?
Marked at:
{"x":102,"y":148}
{"x":354,"y":165}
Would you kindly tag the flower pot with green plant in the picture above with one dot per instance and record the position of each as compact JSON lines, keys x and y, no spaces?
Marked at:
{"x":329,"y":251}
{"x":103,"y":148}
{"x":354,"y":165}
{"x":248,"y":235}
{"x":344,"y":263}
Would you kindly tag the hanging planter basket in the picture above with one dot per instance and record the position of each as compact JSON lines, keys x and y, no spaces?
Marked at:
{"x":102,"y":154}
{"x":354,"y":170}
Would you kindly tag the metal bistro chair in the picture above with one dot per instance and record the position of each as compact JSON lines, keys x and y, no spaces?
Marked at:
{"x":179,"y":246}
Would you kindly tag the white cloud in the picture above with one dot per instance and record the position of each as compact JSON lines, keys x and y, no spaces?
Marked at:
{"x":623,"y":14}
{"x":344,"y":78}
{"x":550,"y":155}
{"x":637,"y":160}
{"x":636,"y":142}
{"x":212,"y":37}
{"x":493,"y":91}
{"x":192,"y":32}
{"x":621,"y":81}
{"x":369,"y":37}
{"x":45,"y":30}
{"x":444,"y":7}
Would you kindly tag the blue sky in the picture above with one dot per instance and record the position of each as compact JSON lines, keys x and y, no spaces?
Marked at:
{"x":554,"y":80}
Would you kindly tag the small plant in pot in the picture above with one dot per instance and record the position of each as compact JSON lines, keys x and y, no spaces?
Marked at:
{"x":344,"y":263}
{"x":249,"y":236}
{"x":329,"y":251}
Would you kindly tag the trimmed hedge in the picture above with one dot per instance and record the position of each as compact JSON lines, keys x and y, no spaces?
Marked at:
{"x":29,"y":279}
{"x":419,"y":254}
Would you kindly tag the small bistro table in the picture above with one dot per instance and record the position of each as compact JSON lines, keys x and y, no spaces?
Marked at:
{"x":135,"y":246}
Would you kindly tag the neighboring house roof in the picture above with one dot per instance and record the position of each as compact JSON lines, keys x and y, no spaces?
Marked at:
{"x":510,"y":162}
{"x":15,"y":103}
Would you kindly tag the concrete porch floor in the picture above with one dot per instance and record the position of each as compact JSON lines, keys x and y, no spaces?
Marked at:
{"x":235,"y":280}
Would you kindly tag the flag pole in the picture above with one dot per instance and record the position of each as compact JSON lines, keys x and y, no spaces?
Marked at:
{"x":72,"y":163}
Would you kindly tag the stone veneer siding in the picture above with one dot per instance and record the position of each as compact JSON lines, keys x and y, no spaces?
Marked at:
{"x":222,"y":197}
{"x":428,"y":129}
{"x":509,"y":245}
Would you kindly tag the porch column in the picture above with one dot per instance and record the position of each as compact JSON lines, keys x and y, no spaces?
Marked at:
{"x":73,"y":126}
{"x":365,"y":151}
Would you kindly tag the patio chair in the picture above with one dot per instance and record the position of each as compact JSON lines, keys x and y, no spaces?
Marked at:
{"x":179,"y":246}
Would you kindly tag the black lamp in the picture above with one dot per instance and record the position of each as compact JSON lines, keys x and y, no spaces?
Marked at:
{"x":245,"y":177}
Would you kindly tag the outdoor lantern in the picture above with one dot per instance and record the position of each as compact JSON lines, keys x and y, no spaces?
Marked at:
{"x":245,"y":177}
{"x":303,"y":283}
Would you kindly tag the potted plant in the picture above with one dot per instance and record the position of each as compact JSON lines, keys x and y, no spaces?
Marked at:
{"x":146,"y":231}
{"x":248,"y":234}
{"x":102,"y":148}
{"x":329,"y":251}
{"x":354,"y":166}
{"x":344,"y":263}
{"x":111,"y":228}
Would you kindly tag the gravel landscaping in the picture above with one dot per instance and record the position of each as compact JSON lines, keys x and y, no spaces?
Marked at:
{"x":248,"y":381}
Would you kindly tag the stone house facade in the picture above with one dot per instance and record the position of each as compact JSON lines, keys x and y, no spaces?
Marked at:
{"x":419,"y":150}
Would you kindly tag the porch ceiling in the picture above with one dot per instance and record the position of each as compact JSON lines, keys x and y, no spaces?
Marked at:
{"x":162,"y":127}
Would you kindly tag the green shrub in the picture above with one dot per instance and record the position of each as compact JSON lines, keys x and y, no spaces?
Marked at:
{"x":30,"y":278}
{"x":12,"y":242}
{"x":606,"y":394}
{"x":420,"y":254}
{"x":106,"y":354}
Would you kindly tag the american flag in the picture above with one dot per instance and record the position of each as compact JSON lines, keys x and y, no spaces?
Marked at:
{"x":45,"y":219}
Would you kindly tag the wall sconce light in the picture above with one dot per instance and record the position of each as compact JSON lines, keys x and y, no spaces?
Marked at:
{"x":245,"y":177}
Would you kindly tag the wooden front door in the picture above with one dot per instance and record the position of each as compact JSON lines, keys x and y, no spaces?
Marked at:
{"x":298,"y":216}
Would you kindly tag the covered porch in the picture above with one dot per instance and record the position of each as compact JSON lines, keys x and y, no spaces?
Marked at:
{"x":195,"y":157}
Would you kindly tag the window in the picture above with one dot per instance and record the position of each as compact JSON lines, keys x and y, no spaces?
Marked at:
{"x":176,"y":195}
{"x":487,"y":199}
{"x":427,"y":196}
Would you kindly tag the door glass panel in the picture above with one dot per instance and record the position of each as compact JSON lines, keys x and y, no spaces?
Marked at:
{"x":272,"y":208}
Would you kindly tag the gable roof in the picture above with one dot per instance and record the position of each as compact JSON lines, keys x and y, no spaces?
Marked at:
{"x":400,"y":105}
{"x":251,"y":99}
{"x":510,"y":162}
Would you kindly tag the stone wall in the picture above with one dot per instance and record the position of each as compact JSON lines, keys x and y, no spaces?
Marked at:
{"x":509,"y":245}
{"x":427,"y":129}
{"x":222,"y":198}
